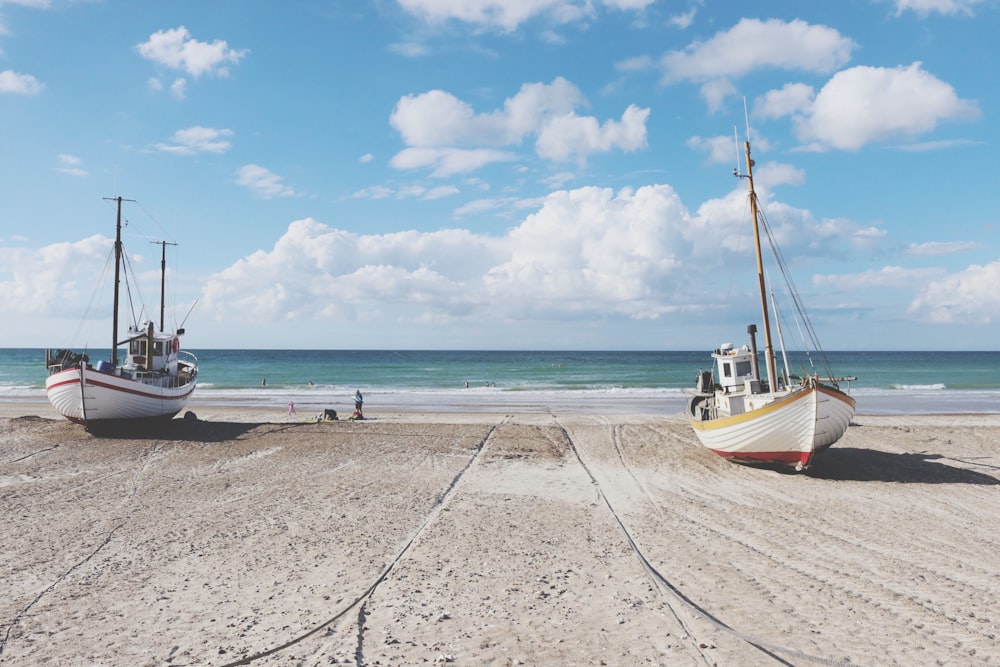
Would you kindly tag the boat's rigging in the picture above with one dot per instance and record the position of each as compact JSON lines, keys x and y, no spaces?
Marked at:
{"x":802,"y":317}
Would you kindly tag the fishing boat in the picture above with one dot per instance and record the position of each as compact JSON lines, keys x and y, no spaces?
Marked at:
{"x":777,"y":418}
{"x":152,"y":383}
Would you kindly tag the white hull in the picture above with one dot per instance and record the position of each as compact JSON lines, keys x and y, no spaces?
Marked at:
{"x":788,"y":430}
{"x":90,"y":397}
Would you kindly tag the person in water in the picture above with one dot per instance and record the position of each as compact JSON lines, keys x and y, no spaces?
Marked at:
{"x":359,"y":401}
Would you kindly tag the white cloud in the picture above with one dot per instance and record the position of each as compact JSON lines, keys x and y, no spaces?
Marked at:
{"x":586,"y":250}
{"x":926,"y":7}
{"x":509,"y":14}
{"x":179,"y":88}
{"x":437,"y":118}
{"x":938,"y":248}
{"x":720,"y":149}
{"x":409,"y":49}
{"x":683,"y":21}
{"x":46,"y":280}
{"x":448,"y":161}
{"x":447,"y":135}
{"x":715,"y":93}
{"x":176,"y":49}
{"x":790,"y":99}
{"x":584,"y":253}
{"x":34,"y":4}
{"x":407,"y":192}
{"x":635,"y":64}
{"x":753,"y":44}
{"x":888,"y":276}
{"x":440,"y":192}
{"x":862,"y":105}
{"x":197,"y":139}
{"x":569,"y":136}
{"x":970,"y":296}
{"x":21,"y":84}
{"x":70,"y":164}
{"x":262,"y":182}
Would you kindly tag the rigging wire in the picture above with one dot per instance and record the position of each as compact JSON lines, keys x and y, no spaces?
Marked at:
{"x":796,"y":299}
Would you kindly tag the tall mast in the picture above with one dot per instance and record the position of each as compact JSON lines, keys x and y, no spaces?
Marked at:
{"x":163,"y":277}
{"x":768,"y":347}
{"x":118,"y":264}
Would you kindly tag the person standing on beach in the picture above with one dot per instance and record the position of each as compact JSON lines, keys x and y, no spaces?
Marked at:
{"x":359,"y":401}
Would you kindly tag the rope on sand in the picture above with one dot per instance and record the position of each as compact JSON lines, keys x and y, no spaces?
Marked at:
{"x":435,"y":511}
{"x":17,"y":618}
{"x":767,"y":648}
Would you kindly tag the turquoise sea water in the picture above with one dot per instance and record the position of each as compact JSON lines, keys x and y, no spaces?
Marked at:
{"x":641,"y":382}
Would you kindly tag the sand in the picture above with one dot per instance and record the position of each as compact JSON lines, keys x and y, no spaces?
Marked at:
{"x":494,"y":539}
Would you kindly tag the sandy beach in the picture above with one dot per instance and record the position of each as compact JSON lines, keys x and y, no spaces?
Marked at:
{"x":254,"y":537}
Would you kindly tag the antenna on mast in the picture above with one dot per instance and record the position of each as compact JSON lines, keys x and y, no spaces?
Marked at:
{"x":746,"y":115}
{"x":736,"y":144}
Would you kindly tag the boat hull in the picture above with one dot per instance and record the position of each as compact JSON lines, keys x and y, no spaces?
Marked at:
{"x":90,"y":397}
{"x":788,"y":430}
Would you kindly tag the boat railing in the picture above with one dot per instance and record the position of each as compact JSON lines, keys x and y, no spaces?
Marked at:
{"x":187,"y":357}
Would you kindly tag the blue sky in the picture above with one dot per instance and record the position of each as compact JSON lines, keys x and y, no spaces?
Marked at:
{"x":496,"y":174}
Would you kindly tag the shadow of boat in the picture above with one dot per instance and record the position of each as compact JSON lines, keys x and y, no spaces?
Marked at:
{"x":190,"y":429}
{"x":850,"y":464}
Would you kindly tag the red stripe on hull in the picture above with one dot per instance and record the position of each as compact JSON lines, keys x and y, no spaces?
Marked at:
{"x":790,"y":458}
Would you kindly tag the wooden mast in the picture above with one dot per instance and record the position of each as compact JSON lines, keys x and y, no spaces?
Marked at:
{"x":768,"y":347}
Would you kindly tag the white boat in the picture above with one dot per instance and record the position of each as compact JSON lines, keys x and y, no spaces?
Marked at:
{"x":152,"y":383}
{"x":742,"y":416}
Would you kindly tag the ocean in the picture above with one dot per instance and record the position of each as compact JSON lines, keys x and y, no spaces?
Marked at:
{"x":536,"y":381}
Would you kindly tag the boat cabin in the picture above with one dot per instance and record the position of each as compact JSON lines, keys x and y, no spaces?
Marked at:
{"x":151,"y":351}
{"x":735,"y":368}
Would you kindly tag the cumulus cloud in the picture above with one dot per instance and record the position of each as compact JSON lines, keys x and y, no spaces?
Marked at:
{"x":52,"y":278}
{"x":580,"y":255}
{"x":20,"y":84}
{"x":509,"y":14}
{"x":197,"y":139}
{"x":792,"y":98}
{"x":969,"y":296}
{"x":862,"y":105}
{"x":583,"y":253}
{"x":447,"y":135}
{"x":719,"y":149}
{"x":262,"y":182}
{"x":571,"y":136}
{"x":753,"y":44}
{"x":177,"y":49}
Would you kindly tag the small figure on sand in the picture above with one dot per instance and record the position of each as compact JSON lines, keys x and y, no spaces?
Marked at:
{"x":291,"y":408}
{"x":359,"y":401}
